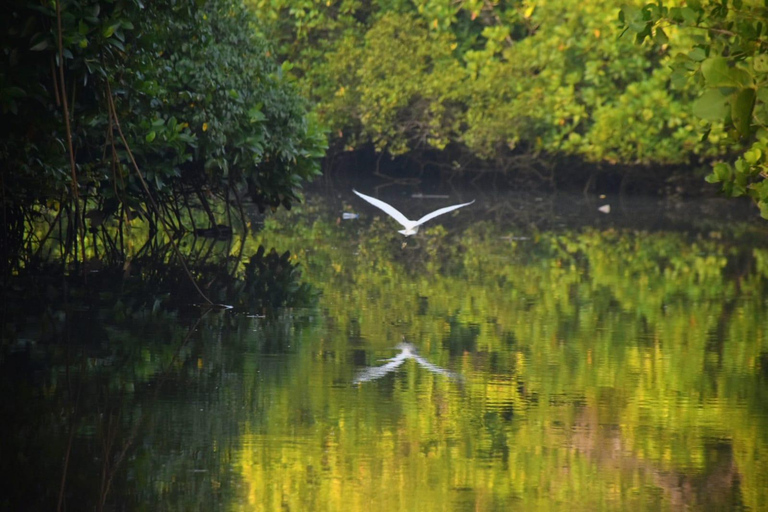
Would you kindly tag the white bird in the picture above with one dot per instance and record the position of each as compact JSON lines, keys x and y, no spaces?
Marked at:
{"x":411,"y":226}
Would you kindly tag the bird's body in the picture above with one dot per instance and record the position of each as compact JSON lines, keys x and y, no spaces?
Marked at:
{"x":411,"y":226}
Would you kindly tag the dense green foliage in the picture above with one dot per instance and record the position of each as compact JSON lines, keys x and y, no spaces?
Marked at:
{"x":184,"y":88}
{"x":493,"y":76}
{"x":729,"y":60}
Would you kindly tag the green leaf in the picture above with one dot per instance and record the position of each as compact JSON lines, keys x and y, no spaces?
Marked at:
{"x":742,"y":77}
{"x":718,"y":73}
{"x":721,"y":171}
{"x":108,"y":31}
{"x":760,"y":63}
{"x":689,"y":15}
{"x":760,"y":113}
{"x":42,"y":45}
{"x":753,"y":156}
{"x":761,"y":188}
{"x":715,"y":71}
{"x":712,"y":105}
{"x":698,"y":54}
{"x":256,"y":115}
{"x":150,"y":136}
{"x":678,"y":78}
{"x":741,"y":110}
{"x":117,"y":44}
{"x":634,"y":18}
{"x":763,"y":209}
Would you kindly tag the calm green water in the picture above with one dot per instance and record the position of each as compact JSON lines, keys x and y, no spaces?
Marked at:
{"x":559,"y":359}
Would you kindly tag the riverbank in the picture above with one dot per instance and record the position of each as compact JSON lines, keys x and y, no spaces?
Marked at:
{"x":543,"y":173}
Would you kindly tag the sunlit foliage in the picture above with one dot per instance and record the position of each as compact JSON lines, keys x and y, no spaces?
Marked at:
{"x":495,"y":77}
{"x":729,"y":60}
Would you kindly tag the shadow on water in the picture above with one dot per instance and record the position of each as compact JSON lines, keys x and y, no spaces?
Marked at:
{"x":88,"y":360}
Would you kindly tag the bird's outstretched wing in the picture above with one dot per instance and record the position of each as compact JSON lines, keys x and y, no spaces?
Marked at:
{"x":441,"y":211}
{"x":389,"y":210}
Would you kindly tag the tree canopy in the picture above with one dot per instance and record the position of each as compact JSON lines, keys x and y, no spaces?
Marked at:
{"x":494,"y":76}
{"x":729,"y":61}
{"x":100,"y":96}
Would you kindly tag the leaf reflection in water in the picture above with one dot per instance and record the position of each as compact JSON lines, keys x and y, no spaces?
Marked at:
{"x":407,"y":351}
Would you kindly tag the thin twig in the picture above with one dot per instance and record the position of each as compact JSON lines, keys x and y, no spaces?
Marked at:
{"x":70,"y":148}
{"x":151,"y":199}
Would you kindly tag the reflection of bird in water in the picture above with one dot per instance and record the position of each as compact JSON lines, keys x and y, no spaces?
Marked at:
{"x":407,"y":351}
{"x":411,"y":226}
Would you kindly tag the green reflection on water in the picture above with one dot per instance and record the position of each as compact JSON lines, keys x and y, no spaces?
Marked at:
{"x":601,"y":369}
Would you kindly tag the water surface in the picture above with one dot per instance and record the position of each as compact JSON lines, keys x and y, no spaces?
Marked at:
{"x":558,"y":358}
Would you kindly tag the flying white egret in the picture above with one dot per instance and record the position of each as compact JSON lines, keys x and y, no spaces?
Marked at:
{"x":411,"y":226}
